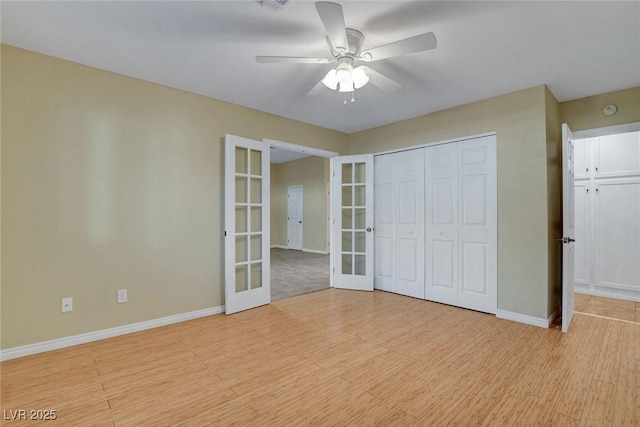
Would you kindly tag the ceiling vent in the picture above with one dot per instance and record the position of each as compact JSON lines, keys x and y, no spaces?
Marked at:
{"x":274,"y":4}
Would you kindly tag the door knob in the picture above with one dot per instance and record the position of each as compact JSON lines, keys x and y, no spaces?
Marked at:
{"x":369,"y":229}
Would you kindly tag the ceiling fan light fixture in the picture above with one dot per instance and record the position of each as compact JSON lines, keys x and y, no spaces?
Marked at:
{"x":343,"y":75}
{"x":359,"y":77}
{"x":330,"y":80}
{"x":346,"y":86}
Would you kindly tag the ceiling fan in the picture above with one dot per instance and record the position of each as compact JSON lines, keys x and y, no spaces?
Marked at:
{"x":345,"y":46}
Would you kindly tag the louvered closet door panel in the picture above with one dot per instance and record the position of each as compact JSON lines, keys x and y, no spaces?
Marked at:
{"x":385,"y":223}
{"x":477,"y":225}
{"x":441,"y":220}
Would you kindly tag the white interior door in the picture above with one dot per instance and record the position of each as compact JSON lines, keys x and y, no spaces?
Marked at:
{"x":617,"y":236}
{"x":461,"y":224}
{"x":478,"y":230}
{"x":247,"y":266}
{"x":568,"y":227}
{"x":386,"y":197}
{"x":399,"y":223}
{"x":294,"y":216}
{"x":441,"y":165}
{"x":353,"y":222}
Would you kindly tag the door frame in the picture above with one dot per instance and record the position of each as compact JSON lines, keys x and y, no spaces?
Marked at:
{"x":607,"y":130}
{"x":317,"y":152}
{"x":596,"y":132}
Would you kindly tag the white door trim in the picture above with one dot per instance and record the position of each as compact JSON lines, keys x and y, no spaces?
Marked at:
{"x":300,"y":148}
{"x":431,"y":144}
{"x":608,"y":130}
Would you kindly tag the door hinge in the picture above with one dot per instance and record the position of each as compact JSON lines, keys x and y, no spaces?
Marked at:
{"x":225,"y":233}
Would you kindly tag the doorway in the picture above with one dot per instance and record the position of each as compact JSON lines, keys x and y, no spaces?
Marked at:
{"x":299,"y":247}
{"x":607,"y":206}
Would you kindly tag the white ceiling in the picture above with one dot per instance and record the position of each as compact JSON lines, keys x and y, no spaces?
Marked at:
{"x":577,"y":48}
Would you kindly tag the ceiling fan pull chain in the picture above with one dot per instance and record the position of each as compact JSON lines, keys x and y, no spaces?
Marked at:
{"x":353,"y":96}
{"x":345,"y":98}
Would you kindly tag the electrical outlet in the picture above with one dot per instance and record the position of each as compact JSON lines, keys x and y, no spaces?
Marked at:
{"x":67,"y":305}
{"x":122,"y":296}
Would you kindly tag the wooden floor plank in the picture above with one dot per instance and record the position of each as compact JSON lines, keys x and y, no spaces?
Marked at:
{"x":340,"y":358}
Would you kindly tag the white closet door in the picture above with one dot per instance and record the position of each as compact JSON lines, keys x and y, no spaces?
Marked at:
{"x":410,"y":223}
{"x":582,"y":246}
{"x":399,"y":195}
{"x":477,"y":201}
{"x":385,"y":223}
{"x":617,"y":236}
{"x":617,"y":155}
{"x":582,"y":158}
{"x":461,"y":224}
{"x":441,"y":218}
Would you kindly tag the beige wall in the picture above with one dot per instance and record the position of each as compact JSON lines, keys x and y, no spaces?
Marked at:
{"x":109,"y":182}
{"x":312,"y":174}
{"x":519,"y":122}
{"x":554,"y":200}
{"x":586,"y":113}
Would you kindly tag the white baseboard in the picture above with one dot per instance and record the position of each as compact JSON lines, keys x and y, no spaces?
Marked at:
{"x":315,"y":251}
{"x":523,"y":318}
{"x":27,"y":350}
{"x":311,"y":251}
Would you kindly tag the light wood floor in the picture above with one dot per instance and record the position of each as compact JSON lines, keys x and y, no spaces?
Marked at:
{"x":608,"y":307}
{"x":341,"y":358}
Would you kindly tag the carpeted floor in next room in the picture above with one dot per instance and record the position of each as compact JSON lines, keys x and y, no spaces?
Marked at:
{"x":296,"y":272}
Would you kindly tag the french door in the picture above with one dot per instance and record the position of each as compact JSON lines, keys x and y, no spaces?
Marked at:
{"x":568,"y":227}
{"x":352,"y":200}
{"x":247,"y":266}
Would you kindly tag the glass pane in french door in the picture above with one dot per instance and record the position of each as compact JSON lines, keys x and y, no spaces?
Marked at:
{"x":353,"y":195}
{"x":249,"y":206}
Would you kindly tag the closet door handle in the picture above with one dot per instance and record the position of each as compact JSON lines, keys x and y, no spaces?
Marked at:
{"x":369,"y":229}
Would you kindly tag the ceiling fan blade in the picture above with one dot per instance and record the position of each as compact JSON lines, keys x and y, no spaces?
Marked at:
{"x":317,"y":89}
{"x":291,"y":60}
{"x":333,"y":20}
{"x":381,"y":81}
{"x":422,"y":42}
